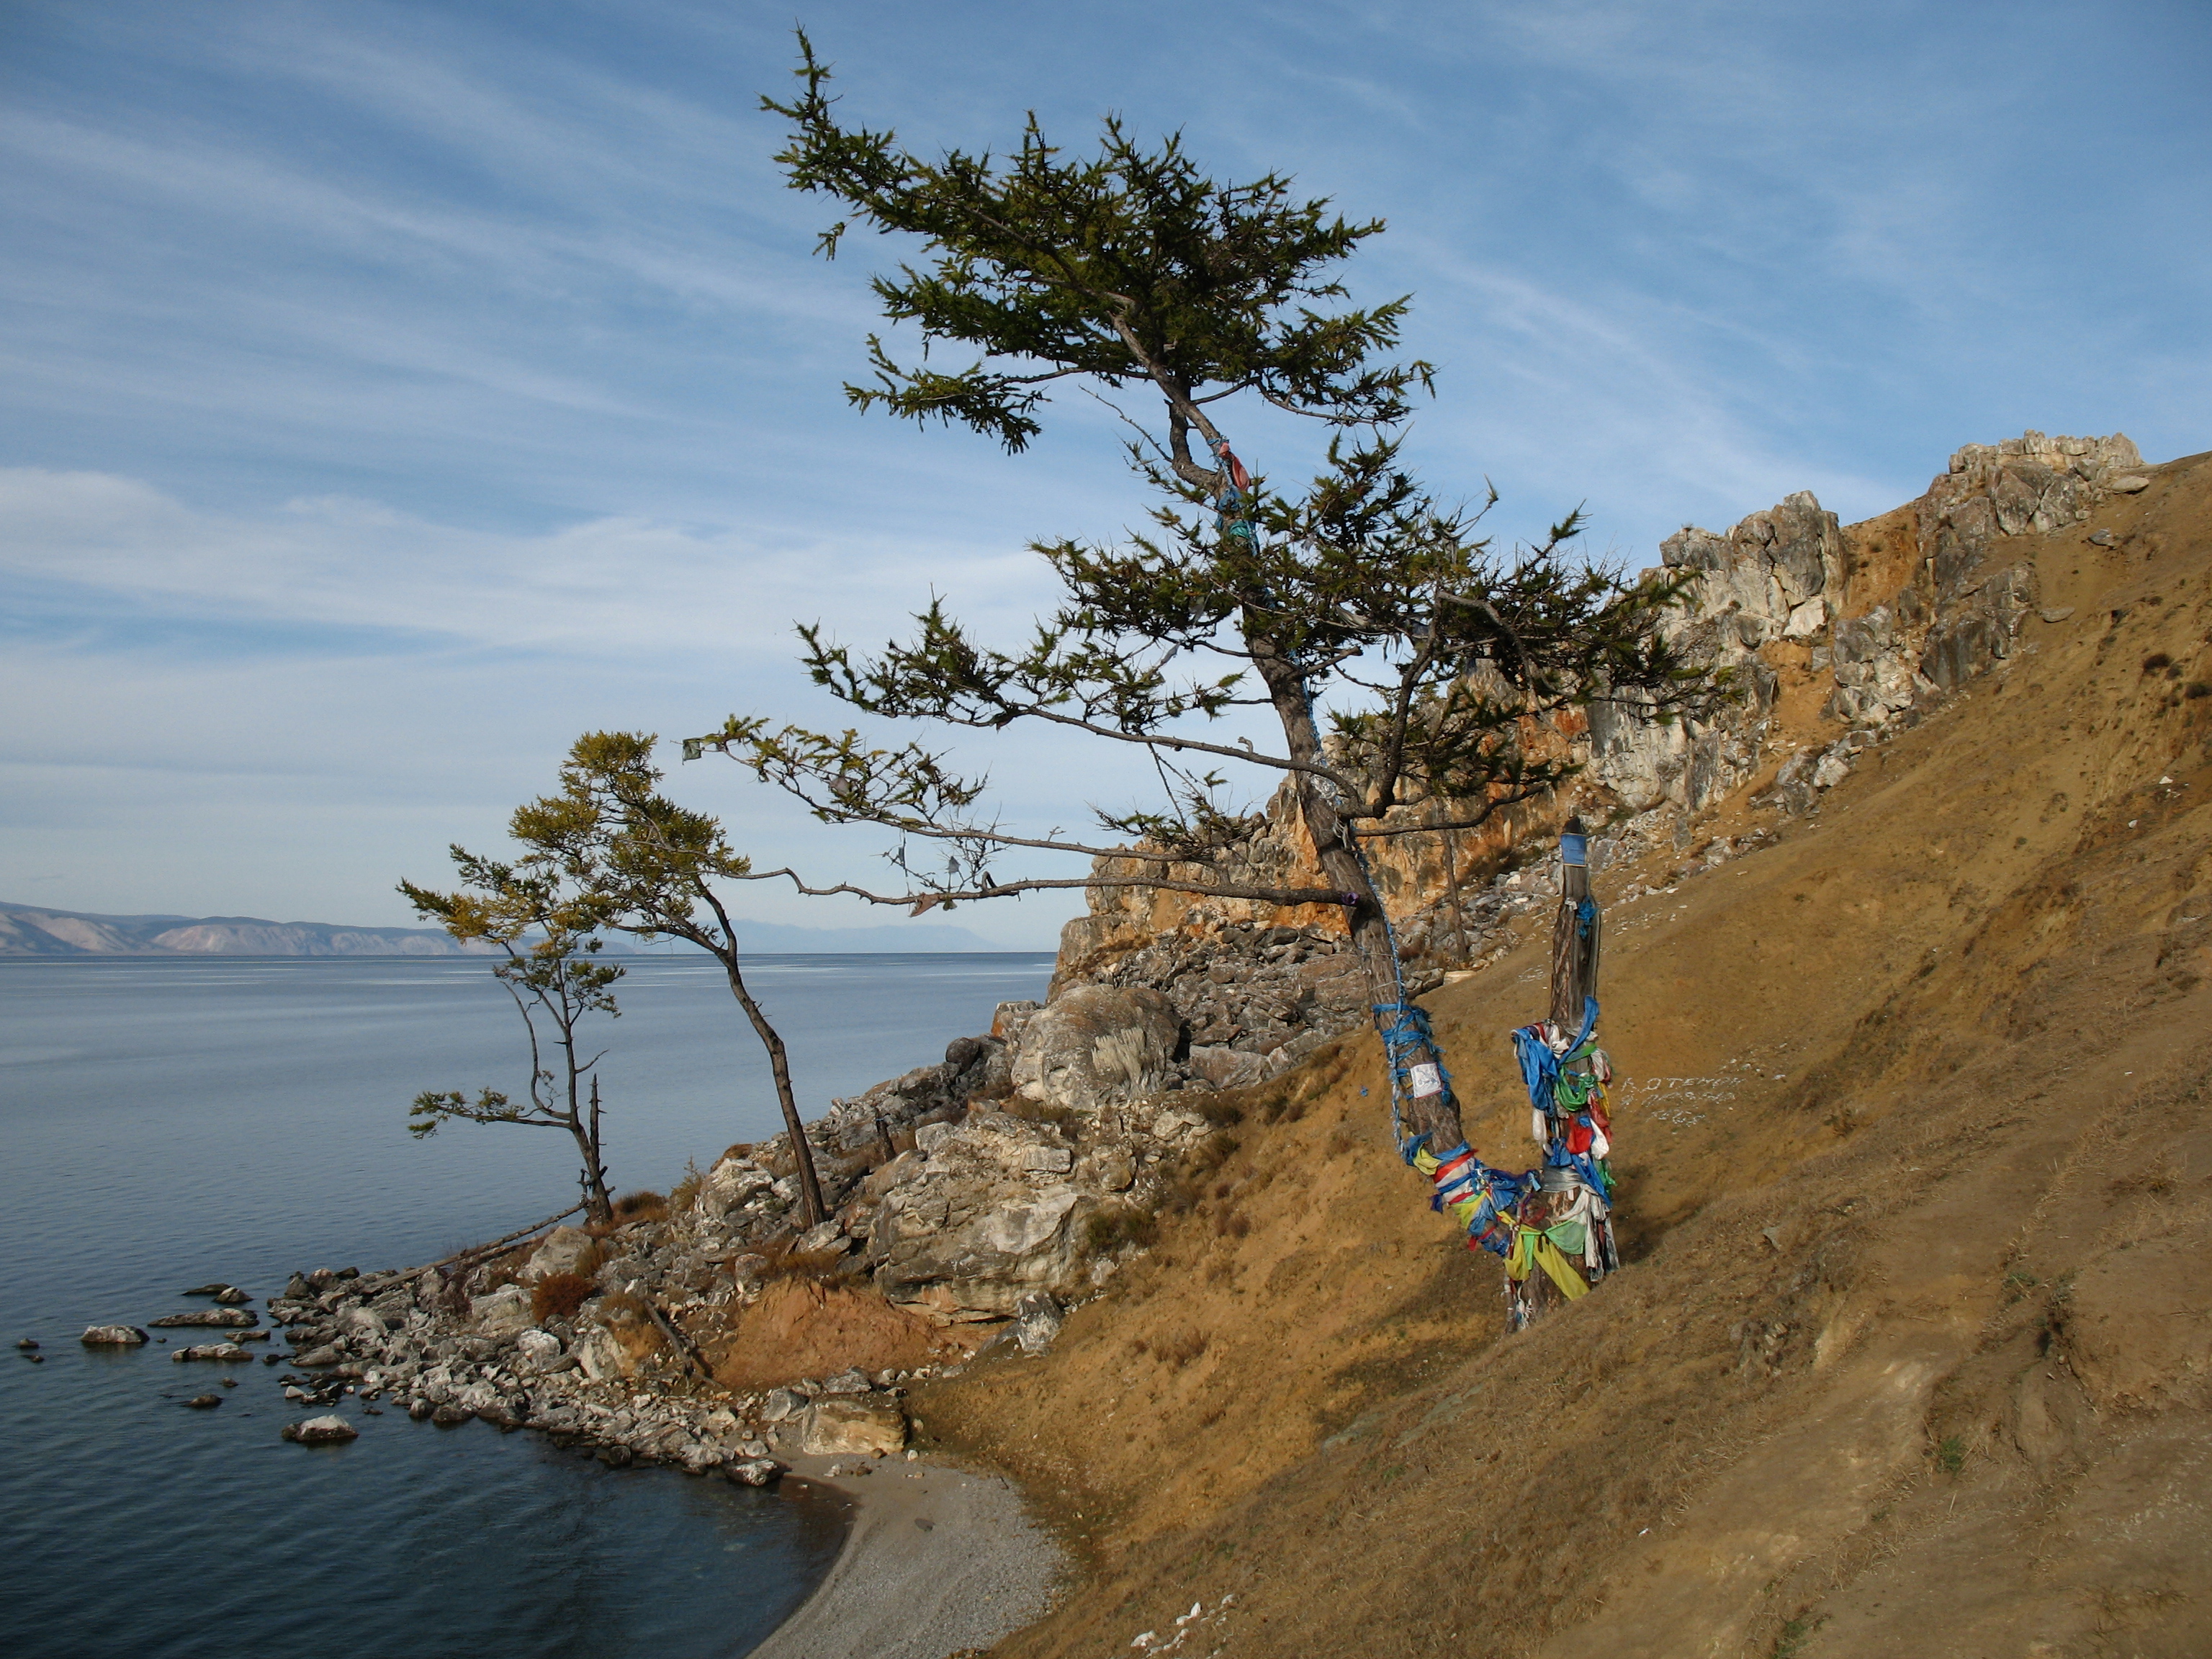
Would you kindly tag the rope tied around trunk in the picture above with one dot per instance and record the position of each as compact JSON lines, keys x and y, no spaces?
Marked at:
{"x":1409,"y":1033}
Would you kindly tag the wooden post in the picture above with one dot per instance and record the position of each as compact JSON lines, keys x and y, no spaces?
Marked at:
{"x":1572,"y":1203}
{"x":1574,"y":932}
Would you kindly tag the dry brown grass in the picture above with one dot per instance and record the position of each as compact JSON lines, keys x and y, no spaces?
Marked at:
{"x":558,"y":1296}
{"x":785,"y":1261}
{"x":640,"y":1206}
{"x":1964,"y":961}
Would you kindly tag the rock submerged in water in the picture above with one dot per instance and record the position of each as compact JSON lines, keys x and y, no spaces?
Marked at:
{"x":237,"y":1317}
{"x":202,"y":1401}
{"x":223,"y":1351}
{"x":320,"y":1431}
{"x":113,"y":1336}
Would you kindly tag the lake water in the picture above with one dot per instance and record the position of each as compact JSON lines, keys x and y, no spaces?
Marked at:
{"x":166,"y":1123}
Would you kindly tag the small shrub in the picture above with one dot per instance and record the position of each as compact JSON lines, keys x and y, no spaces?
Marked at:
{"x":1795,"y":1633}
{"x":784,"y":1261}
{"x":2156,"y":660}
{"x":640,"y":1206}
{"x":1065,"y":1119}
{"x":558,"y":1296}
{"x":2195,"y":689}
{"x":685,"y":1192}
{"x":1220,"y":1112}
{"x":1112,"y":1225}
{"x":1951,"y":1454}
{"x":1180,"y":1350}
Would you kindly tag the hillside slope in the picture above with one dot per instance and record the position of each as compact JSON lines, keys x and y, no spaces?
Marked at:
{"x":1910,"y":1352}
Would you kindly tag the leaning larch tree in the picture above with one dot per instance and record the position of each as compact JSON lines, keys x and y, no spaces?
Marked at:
{"x":1361,"y":600}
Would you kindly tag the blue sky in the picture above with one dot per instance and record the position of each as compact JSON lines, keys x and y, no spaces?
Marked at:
{"x":389,"y":392}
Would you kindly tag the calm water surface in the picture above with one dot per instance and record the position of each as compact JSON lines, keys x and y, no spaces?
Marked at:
{"x":166,"y":1123}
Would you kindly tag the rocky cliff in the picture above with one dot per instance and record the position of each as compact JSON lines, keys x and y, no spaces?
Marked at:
{"x":1834,"y":635}
{"x":1908,"y":975}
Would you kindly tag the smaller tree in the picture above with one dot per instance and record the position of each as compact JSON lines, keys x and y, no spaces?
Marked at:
{"x":651,"y":866}
{"x":549,"y":931}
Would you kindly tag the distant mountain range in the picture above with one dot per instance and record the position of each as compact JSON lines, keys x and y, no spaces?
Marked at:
{"x":27,"y":930}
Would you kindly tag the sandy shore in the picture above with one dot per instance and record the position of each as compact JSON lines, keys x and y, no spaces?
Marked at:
{"x":937,"y":1559}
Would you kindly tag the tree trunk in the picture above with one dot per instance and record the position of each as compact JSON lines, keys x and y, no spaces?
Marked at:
{"x":598,"y":1207}
{"x":802,"y":1154}
{"x":1451,"y":884}
{"x":1436,"y":1116}
{"x":1574,"y":937}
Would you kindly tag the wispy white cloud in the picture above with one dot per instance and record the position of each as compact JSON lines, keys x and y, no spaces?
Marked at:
{"x":612,"y":584}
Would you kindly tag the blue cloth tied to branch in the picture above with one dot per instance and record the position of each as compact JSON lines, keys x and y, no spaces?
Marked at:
{"x":1540,"y":1066}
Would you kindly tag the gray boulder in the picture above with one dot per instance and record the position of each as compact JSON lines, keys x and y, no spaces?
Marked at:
{"x":113,"y":1336}
{"x":782,"y":1403}
{"x":1037,"y":1319}
{"x":732,"y":1184}
{"x":835,"y":1428}
{"x":599,"y":1356}
{"x":563,"y":1249}
{"x":502,"y":1313}
{"x":539,"y":1350}
{"x":1096,"y":1047}
{"x":992,"y":1217}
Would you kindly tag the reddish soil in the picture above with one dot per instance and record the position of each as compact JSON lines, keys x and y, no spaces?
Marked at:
{"x":802,"y":1327}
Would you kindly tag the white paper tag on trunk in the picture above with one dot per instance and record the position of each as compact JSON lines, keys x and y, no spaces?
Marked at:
{"x":1425,"y":1080}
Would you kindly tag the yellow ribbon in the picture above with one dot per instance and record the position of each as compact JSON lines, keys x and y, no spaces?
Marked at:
{"x":1532,"y":1251}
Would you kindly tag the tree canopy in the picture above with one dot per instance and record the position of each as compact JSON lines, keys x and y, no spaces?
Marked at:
{"x":1401,"y":654}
